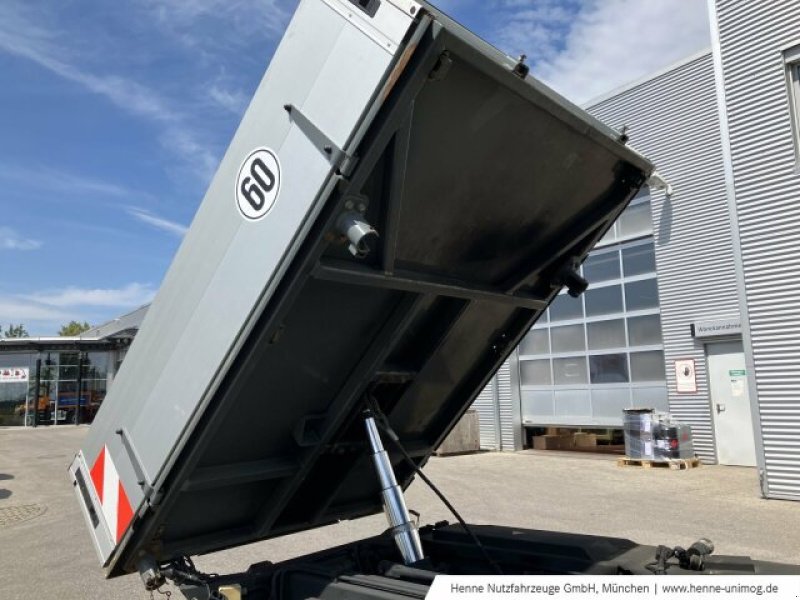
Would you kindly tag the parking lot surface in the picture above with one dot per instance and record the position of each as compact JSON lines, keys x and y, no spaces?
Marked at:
{"x":45,"y":550}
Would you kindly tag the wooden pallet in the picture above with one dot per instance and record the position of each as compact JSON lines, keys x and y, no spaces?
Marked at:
{"x":675,"y":463}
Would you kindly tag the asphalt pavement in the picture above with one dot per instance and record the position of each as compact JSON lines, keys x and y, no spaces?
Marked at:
{"x":46,"y":553}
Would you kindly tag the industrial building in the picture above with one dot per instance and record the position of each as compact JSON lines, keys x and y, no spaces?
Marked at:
{"x":693,"y":300}
{"x":692,"y":306}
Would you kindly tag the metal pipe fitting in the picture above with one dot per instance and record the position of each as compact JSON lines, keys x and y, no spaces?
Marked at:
{"x":361,"y":234}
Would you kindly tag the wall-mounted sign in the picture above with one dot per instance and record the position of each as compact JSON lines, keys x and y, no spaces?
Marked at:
{"x":12,"y":374}
{"x":716,"y":328}
{"x":738,"y":379}
{"x":685,"y":376}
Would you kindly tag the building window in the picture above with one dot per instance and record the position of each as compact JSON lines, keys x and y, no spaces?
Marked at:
{"x":590,"y":357}
{"x":791,"y":59}
{"x":535,"y":342}
{"x":606,"y":334}
{"x":535,"y":372}
{"x":569,"y":371}
{"x":608,"y":368}
{"x":635,"y":222}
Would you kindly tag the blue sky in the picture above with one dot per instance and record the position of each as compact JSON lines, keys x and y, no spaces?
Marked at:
{"x":113,"y":117}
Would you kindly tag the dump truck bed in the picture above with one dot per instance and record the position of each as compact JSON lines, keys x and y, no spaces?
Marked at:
{"x":236,"y":415}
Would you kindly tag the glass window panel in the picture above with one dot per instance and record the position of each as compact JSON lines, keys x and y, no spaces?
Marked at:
{"x":47,"y":371}
{"x":93,"y":393}
{"x":66,"y":389}
{"x":573,"y":403}
{"x":566,"y":307}
{"x":603,"y":301}
{"x":608,"y":368}
{"x":535,"y":372}
{"x":647,"y":366}
{"x":95,"y":365}
{"x":535,"y":342}
{"x":644,"y":331}
{"x":68,"y":358}
{"x":606,"y":334}
{"x":653,"y":397}
{"x":13,"y":396}
{"x":119,"y":357}
{"x":569,"y":371}
{"x":609,"y":237}
{"x":601,"y":267}
{"x":609,"y":401}
{"x":638,"y":260}
{"x":69,"y":372}
{"x":635,"y":220}
{"x":96,"y":386}
{"x":536,"y":403}
{"x":641,"y":294}
{"x":16,"y":360}
{"x":568,"y":338}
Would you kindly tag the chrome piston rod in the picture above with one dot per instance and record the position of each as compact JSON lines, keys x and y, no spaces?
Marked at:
{"x":394,"y":504}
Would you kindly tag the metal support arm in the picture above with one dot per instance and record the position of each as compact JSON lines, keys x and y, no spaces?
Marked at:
{"x":404,"y":530}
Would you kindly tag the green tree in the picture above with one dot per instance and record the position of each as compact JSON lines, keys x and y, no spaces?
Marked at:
{"x":74,"y":328}
{"x":14,"y":331}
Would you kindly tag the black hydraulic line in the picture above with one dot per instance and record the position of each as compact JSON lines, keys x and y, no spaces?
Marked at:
{"x":37,"y":391}
{"x":384,"y":424}
{"x":79,"y":385}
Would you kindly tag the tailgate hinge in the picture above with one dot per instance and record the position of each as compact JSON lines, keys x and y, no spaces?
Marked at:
{"x":341,"y":160}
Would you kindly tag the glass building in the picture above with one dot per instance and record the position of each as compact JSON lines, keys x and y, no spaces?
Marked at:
{"x":592,"y":356}
{"x":72,"y":384}
{"x":62,"y":380}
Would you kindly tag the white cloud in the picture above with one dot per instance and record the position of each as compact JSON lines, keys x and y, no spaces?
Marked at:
{"x":245,"y":16}
{"x":44,"y":312}
{"x":608,"y":42}
{"x":201,"y":161}
{"x":11,"y":240}
{"x":23,"y":35}
{"x":158,"y":222}
{"x":535,"y":27}
{"x":131,"y":295}
{"x":47,"y":178}
{"x":17,"y":310}
{"x":233,"y":101}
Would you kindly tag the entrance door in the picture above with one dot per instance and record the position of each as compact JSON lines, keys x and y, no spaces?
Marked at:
{"x":730,"y":403}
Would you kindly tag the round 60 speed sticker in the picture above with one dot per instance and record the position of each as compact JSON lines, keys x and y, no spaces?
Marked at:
{"x":258,"y":184}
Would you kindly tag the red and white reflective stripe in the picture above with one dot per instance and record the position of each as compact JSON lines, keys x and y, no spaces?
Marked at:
{"x":116,"y":506}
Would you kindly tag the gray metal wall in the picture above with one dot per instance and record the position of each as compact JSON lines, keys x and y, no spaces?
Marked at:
{"x":672,"y":119}
{"x":766,"y":187}
{"x":498,"y":410}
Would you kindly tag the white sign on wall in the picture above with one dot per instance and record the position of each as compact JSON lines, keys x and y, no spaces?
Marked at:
{"x":717,"y":328}
{"x":685,"y":376}
{"x":12,"y":374}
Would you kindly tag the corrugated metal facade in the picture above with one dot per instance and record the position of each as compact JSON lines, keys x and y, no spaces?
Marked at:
{"x":488,"y":414}
{"x":508,"y":403}
{"x":672,"y":119}
{"x":498,"y":412}
{"x":752,"y":39}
